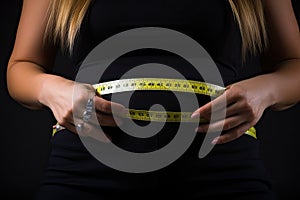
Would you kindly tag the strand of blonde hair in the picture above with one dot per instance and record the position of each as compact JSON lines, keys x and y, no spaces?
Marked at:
{"x":64,"y":21}
{"x":66,"y":16}
{"x":251,"y":20}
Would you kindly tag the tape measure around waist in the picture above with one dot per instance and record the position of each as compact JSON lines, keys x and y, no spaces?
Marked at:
{"x":159,"y":84}
{"x":175,"y":85}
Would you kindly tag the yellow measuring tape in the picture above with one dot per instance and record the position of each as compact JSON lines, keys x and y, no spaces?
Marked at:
{"x":159,"y":84}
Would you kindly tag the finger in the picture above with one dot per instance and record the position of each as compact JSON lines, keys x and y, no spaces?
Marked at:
{"x":108,"y":107}
{"x":82,"y":93}
{"x":88,"y":130}
{"x":231,"y":110}
{"x":67,"y":122}
{"x":99,"y":118}
{"x":109,"y":120}
{"x":102,"y":119}
{"x":84,"y":129}
{"x":232,"y":134}
{"x":70,"y":127}
{"x":222,"y":125}
{"x":220,"y":103}
{"x":93,"y":131}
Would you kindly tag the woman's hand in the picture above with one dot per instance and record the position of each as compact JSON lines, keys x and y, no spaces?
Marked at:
{"x":68,"y":101}
{"x":242,"y":103}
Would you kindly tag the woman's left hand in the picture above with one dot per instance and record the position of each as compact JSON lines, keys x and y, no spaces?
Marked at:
{"x":243,"y":103}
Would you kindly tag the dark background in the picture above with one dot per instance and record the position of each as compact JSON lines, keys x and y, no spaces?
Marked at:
{"x":25,"y":134}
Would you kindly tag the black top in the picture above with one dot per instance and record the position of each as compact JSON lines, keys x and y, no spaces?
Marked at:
{"x":232,"y":169}
{"x":211,"y":23}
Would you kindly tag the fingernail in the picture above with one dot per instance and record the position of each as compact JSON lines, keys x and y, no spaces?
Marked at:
{"x":195,"y":114}
{"x":215,"y":141}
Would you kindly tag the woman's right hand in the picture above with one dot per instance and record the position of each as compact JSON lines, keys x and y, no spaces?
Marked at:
{"x":30,"y":84}
{"x":68,"y":101}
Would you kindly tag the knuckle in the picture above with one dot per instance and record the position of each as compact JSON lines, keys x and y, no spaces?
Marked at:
{"x":69,"y":112}
{"x":238,"y":91}
{"x":88,"y":88}
{"x":83,"y":91}
{"x":227,"y":126}
{"x":63,"y":121}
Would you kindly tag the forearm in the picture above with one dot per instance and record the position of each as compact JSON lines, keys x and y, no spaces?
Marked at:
{"x":29,"y":84}
{"x":284,"y":84}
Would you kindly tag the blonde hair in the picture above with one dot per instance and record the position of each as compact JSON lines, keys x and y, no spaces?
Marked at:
{"x":250,"y":17}
{"x":64,"y":21}
{"x":66,"y":16}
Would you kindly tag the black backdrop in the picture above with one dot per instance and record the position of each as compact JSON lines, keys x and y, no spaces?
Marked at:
{"x":25,"y":134}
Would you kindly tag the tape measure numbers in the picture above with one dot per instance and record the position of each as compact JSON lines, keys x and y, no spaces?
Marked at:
{"x":159,"y":84}
{"x":176,"y":85}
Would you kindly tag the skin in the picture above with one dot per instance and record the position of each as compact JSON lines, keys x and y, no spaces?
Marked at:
{"x":31,"y":62}
{"x":29,"y":66}
{"x":247,"y":99}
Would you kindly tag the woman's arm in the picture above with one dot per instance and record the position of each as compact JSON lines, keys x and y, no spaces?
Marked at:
{"x":31,"y":84}
{"x":278,"y":88}
{"x":282,"y":59}
{"x":30,"y":60}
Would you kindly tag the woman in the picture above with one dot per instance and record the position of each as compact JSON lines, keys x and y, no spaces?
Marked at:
{"x":236,"y":33}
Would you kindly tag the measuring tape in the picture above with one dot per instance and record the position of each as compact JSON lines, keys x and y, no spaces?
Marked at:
{"x":159,"y":84}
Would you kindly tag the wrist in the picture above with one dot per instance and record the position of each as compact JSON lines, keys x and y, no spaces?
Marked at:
{"x":51,"y":87}
{"x":268,"y":89}
{"x":260,"y":90}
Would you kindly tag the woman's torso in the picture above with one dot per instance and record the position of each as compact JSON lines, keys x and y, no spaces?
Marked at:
{"x":210,"y":23}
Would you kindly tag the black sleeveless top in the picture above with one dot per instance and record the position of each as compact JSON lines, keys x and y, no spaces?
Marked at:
{"x":230,"y":169}
{"x":211,"y":23}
